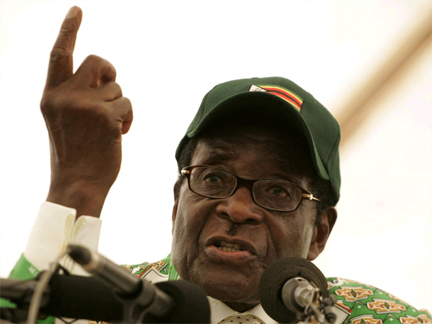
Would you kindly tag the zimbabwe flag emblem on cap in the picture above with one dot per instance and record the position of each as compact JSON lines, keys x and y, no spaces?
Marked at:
{"x":287,"y":95}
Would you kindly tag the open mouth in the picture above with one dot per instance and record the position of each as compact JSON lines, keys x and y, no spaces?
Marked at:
{"x":229,"y":247}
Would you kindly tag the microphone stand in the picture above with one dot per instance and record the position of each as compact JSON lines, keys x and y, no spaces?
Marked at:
{"x":21,"y":292}
{"x":318,"y":310}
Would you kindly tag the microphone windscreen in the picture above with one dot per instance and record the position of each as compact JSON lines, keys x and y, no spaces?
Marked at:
{"x":79,"y":254}
{"x":191,"y":303}
{"x":82,"y":297}
{"x":274,"y":278}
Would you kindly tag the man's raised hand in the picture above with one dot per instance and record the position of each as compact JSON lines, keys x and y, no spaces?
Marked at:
{"x":86,"y":115}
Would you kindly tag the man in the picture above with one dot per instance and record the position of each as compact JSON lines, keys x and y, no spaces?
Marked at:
{"x":258,"y":182}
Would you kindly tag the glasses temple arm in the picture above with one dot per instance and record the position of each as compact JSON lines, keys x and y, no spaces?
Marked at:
{"x":310,"y":197}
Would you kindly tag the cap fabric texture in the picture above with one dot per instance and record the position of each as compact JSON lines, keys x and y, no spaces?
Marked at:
{"x":285,"y":100}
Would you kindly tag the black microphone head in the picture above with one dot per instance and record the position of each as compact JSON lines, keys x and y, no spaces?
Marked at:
{"x":191,"y":303}
{"x":79,"y":254}
{"x":274,"y":278}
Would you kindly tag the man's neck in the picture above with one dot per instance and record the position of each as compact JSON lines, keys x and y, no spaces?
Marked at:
{"x":240,"y":307}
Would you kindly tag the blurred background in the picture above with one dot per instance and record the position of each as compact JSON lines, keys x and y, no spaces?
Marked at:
{"x":368,"y":62}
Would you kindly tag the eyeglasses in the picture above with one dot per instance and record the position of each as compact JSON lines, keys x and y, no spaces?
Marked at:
{"x":272,"y":194}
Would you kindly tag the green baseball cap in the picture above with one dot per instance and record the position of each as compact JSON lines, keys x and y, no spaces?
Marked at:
{"x":286,"y":101}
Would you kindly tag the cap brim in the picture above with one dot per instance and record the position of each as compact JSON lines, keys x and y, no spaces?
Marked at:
{"x":250,"y":102}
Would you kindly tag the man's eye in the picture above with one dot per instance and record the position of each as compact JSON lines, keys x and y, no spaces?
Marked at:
{"x":278,"y":191}
{"x":212,"y":179}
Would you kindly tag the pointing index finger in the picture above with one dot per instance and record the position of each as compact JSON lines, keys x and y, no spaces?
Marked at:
{"x":61,"y":61}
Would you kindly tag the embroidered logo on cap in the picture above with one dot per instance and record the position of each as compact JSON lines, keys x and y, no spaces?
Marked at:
{"x":287,"y":95}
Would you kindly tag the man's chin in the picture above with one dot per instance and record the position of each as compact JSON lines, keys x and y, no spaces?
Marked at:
{"x":226,"y":282}
{"x":231,"y":291}
{"x":238,"y":302}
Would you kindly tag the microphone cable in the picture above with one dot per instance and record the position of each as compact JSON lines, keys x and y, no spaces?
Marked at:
{"x":41,"y":285}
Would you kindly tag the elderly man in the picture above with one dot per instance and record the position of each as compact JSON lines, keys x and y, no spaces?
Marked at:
{"x":258,"y":181}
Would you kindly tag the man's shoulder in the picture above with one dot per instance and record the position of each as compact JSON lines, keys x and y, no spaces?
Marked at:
{"x":361,"y":303}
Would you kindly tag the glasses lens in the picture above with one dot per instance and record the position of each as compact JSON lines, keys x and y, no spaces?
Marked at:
{"x":277,"y":194}
{"x":213,"y":183}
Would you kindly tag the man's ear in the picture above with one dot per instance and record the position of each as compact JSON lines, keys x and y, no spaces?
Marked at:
{"x":174,"y":214}
{"x":322,"y":232}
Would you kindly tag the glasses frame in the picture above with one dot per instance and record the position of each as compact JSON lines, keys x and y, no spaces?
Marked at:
{"x":249,"y":183}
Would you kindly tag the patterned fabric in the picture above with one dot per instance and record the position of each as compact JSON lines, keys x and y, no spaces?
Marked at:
{"x":369,"y":304}
{"x":154,"y":272}
{"x":242,"y":319}
{"x":357,"y":303}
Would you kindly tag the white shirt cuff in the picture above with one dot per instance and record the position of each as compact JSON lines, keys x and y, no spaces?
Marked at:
{"x":54,"y":229}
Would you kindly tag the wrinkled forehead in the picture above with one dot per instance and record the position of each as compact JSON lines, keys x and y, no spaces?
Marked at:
{"x":271,"y":146}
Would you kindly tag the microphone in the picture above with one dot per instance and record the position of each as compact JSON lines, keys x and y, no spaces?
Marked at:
{"x":90,"y":298}
{"x":67,"y":296}
{"x":171,"y":301}
{"x":126,"y":284}
{"x":93,"y":298}
{"x":289,"y":286}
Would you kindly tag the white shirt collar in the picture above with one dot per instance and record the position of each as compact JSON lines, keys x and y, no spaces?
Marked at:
{"x":219,"y":311}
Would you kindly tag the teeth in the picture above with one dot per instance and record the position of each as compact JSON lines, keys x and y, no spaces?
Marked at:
{"x":229,"y":247}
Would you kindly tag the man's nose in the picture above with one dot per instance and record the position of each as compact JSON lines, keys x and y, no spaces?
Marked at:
{"x":241,"y":208}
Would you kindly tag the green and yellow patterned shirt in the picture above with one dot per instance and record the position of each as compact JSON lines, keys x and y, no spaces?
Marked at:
{"x":357,"y":303}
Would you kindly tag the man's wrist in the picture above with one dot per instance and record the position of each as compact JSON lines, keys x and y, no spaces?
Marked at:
{"x":85,"y":198}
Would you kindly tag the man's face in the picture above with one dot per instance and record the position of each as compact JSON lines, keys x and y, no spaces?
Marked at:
{"x":202,"y":226}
